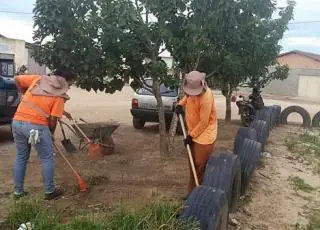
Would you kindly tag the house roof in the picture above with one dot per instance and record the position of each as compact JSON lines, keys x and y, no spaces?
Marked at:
{"x":313,"y":56}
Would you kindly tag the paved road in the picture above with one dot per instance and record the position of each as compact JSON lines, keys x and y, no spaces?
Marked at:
{"x":103,"y":107}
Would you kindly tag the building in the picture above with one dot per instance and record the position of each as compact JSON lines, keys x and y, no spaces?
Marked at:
{"x":22,"y":53}
{"x":304,"y":76}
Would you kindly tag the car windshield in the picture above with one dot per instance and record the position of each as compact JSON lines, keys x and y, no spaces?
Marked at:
{"x":164,"y":91}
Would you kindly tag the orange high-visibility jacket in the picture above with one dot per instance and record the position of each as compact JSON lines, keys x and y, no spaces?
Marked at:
{"x":201,"y":117}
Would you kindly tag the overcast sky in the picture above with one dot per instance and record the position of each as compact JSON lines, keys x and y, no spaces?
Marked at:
{"x":302,"y":36}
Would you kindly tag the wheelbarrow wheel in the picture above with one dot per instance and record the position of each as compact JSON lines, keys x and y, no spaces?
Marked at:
{"x":137,"y":123}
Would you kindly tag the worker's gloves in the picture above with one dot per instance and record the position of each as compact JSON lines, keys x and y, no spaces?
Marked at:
{"x":188,"y":141}
{"x":179,"y":110}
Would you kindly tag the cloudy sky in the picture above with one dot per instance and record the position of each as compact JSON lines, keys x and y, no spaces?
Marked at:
{"x":301,"y":36}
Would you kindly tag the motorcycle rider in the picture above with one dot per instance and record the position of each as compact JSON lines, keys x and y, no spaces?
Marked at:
{"x":256,"y":99}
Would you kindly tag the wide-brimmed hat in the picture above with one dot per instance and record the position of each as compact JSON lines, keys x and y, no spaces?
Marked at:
{"x":194,"y":83}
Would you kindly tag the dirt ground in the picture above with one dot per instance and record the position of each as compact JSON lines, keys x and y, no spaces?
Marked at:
{"x":136,"y":174}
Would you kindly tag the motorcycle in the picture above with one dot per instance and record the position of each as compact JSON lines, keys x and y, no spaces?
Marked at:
{"x":248,"y":107}
{"x":246,"y":110}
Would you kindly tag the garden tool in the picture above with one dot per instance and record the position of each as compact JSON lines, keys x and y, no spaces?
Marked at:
{"x":83,"y":120}
{"x":70,"y":127}
{"x":189,"y":152}
{"x":95,"y":149}
{"x":66,"y":143}
{"x":82,"y":183}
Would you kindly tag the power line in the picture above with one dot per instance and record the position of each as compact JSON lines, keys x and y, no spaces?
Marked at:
{"x":303,"y":22}
{"x":14,"y":12}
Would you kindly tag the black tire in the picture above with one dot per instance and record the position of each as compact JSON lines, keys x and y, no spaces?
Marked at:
{"x":262,"y":132}
{"x":243,"y":133}
{"x":316,"y":120}
{"x":265,"y":115}
{"x":138,"y":124}
{"x":224,"y":172}
{"x":272,"y":110}
{"x":296,"y":109}
{"x":209,"y":207}
{"x":250,"y":155}
{"x":277,"y":109}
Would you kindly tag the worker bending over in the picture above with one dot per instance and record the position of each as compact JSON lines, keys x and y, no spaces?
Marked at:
{"x":35,"y":122}
{"x":201,"y":119}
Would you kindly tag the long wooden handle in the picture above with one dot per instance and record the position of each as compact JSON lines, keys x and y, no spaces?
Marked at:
{"x":62,"y":130}
{"x":70,"y":127}
{"x":80,"y":130}
{"x":66,"y":160}
{"x":189,"y":152}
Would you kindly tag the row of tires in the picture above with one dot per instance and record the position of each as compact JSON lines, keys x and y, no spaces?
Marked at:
{"x":227,"y":175}
{"x":307,"y":122}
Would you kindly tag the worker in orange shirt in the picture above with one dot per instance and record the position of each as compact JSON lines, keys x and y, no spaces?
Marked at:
{"x":201,"y":119}
{"x":35,"y":122}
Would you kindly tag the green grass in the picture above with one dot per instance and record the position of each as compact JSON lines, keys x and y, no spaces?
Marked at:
{"x":306,"y":146}
{"x":314,"y":221}
{"x":156,"y":216}
{"x":300,"y":184}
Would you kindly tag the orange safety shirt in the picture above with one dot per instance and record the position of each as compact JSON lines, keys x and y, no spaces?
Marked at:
{"x":201,"y":117}
{"x":52,"y":106}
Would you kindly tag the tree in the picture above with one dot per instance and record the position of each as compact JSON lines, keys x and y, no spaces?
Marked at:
{"x":232,"y":41}
{"x":104,"y":40}
{"x":248,"y":35}
{"x":261,"y":81}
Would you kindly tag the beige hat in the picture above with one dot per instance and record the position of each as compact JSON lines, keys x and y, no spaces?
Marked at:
{"x":194,"y":83}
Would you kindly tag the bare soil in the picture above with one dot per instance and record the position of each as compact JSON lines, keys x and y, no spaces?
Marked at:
{"x":137,"y":175}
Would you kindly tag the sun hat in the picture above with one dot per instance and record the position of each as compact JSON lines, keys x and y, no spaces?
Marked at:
{"x":194,"y":83}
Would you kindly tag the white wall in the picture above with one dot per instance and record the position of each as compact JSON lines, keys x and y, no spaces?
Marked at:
{"x":17,"y":47}
{"x":168,"y":61}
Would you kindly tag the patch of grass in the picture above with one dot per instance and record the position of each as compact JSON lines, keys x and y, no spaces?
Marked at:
{"x":25,"y":211}
{"x":291,"y":144}
{"x":307,"y":146}
{"x":314,"y":222}
{"x":312,"y":144}
{"x":156,"y":216}
{"x":299,"y":184}
{"x":161,"y":215}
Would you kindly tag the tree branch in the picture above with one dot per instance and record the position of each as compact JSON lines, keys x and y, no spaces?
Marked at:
{"x":142,"y":84}
{"x":211,"y":74}
{"x":197,"y":62}
{"x":139,"y":13}
{"x":162,"y":50}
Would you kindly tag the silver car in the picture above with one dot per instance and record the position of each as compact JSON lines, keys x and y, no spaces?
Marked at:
{"x":144,"y":106}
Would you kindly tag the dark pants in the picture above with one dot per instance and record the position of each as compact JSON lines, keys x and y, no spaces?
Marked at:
{"x":201,"y":155}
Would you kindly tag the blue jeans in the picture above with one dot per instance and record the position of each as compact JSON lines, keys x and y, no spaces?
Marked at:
{"x":21,"y":133}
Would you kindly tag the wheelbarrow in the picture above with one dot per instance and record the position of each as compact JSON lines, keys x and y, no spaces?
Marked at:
{"x":100,"y":133}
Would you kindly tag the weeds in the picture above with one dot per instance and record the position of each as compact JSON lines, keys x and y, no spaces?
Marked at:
{"x":307,"y":146}
{"x":300,"y":184}
{"x":157,"y":216}
{"x":314,"y":222}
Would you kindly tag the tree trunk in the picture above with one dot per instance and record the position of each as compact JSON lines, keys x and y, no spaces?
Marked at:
{"x":228,"y":109}
{"x":162,"y":122}
{"x":172,"y":132}
{"x":174,"y":124}
{"x":227,"y":92}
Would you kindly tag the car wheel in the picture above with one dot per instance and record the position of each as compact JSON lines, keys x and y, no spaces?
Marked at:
{"x":138,"y":124}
